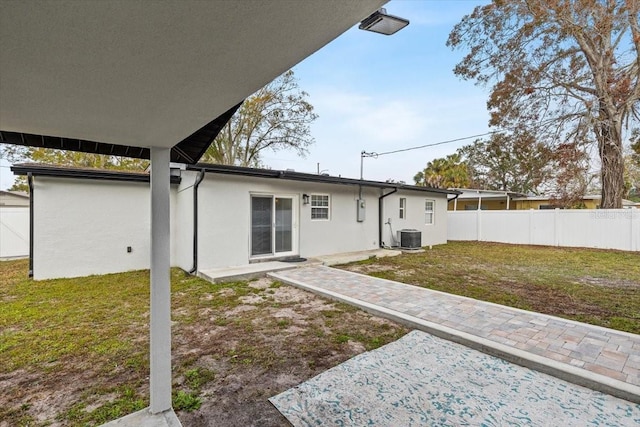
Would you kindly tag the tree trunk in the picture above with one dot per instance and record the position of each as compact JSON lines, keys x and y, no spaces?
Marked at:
{"x":612,"y":170}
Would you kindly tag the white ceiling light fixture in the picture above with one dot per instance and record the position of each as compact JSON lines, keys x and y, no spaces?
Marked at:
{"x":382,"y":23}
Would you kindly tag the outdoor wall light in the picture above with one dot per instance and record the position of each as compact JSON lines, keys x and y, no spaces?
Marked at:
{"x":305,"y":199}
{"x":380,"y":22}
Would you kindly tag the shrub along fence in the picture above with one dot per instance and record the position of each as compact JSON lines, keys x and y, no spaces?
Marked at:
{"x":587,"y":228}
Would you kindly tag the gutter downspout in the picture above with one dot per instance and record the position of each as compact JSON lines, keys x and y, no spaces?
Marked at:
{"x":454,"y":200}
{"x":199,"y":179}
{"x":30,"y":182}
{"x":380,"y":205}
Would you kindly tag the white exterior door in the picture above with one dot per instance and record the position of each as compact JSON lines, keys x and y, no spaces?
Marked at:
{"x":274,"y":225}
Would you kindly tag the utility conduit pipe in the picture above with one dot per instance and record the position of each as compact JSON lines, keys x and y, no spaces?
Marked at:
{"x":199,"y":179}
{"x":380,"y":212}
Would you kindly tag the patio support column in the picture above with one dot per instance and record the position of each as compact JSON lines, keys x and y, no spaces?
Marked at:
{"x":160,"y":342}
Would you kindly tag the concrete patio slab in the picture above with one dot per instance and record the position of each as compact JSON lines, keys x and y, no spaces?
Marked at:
{"x":603,"y":359}
{"x":260,"y":269}
{"x":144,"y":418}
{"x":244,"y":272}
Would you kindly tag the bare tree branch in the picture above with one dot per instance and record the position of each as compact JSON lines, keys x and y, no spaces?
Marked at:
{"x":276,"y":117}
{"x":572,"y":63}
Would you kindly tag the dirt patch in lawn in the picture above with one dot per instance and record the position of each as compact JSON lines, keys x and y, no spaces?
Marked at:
{"x":286,"y":338}
{"x":550,"y":300}
{"x":369,"y":268}
{"x":608,"y":282}
{"x":234,"y":346}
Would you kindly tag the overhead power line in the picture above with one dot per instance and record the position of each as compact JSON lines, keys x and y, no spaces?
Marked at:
{"x":374,"y":154}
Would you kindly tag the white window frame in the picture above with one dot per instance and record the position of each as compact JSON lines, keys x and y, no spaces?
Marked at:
{"x":429,"y":214}
{"x":402,"y":213}
{"x":315,"y":206}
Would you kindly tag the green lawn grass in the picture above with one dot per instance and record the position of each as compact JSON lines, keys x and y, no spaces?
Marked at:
{"x":89,"y":327}
{"x":47,"y":322}
{"x":87,"y":338}
{"x":74,"y":352}
{"x":600,"y":287}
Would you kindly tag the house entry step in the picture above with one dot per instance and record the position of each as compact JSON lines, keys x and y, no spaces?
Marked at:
{"x":256,"y":270}
{"x":244,"y":272}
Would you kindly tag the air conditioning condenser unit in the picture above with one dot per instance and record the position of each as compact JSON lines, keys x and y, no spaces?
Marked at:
{"x":409,"y":239}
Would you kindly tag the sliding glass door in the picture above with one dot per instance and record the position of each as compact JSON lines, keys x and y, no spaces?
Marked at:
{"x":273,"y":225}
{"x":261,"y":225}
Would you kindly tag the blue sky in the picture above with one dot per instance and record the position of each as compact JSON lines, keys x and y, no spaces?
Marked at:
{"x":382,"y":93}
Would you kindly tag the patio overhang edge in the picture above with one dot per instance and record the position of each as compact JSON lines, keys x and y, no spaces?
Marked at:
{"x":189,"y":150}
{"x":37,"y":169}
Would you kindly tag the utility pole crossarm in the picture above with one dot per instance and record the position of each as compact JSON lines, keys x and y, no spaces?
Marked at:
{"x":364,"y":154}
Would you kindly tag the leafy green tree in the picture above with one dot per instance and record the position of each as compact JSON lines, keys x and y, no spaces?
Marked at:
{"x":448,"y":172}
{"x":21,"y":154}
{"x":20,"y":184}
{"x":568,"y":72}
{"x":277,"y":117}
{"x":509,"y":163}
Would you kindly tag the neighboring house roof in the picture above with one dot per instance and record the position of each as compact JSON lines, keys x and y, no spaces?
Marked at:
{"x":471,"y":193}
{"x":37,"y":169}
{"x":585,"y":197}
{"x":14,"y":198}
{"x":309,"y":177}
{"x":21,"y":194}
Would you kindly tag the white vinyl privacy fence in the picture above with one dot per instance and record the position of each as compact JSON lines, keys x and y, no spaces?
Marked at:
{"x":587,"y":228}
{"x":14,"y":232}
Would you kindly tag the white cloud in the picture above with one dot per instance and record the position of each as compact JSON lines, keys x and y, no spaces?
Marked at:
{"x":375,"y":122}
{"x":396,"y":122}
{"x":6,"y":176}
{"x":350,"y":122}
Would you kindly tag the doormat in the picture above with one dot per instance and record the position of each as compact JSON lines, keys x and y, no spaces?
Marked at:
{"x":422,"y":380}
{"x":296,"y":259}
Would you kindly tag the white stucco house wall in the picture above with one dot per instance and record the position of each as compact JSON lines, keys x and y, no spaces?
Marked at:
{"x":14,"y":224}
{"x":96,"y":222}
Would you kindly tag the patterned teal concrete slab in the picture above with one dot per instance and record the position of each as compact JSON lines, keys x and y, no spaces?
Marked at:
{"x":422,"y":380}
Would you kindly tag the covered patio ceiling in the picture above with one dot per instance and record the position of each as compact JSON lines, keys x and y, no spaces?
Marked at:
{"x":113,"y":75}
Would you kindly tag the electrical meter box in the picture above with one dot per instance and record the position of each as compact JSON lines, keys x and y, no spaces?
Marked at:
{"x":361,"y":209}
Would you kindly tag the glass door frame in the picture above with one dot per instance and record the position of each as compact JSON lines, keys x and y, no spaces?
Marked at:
{"x":294,"y":225}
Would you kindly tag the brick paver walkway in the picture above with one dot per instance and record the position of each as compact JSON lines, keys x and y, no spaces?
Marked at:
{"x":604,"y":351}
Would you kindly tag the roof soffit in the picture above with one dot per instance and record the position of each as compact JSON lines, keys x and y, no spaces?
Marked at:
{"x":150,"y":73}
